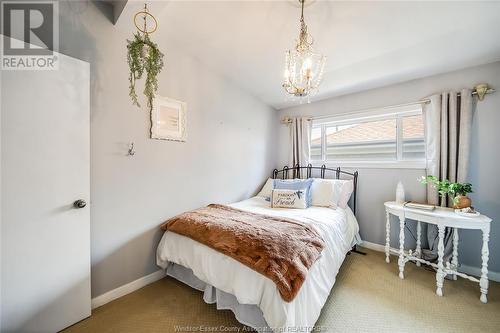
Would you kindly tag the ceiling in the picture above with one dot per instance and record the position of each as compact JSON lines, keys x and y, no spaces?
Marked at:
{"x":367,"y":44}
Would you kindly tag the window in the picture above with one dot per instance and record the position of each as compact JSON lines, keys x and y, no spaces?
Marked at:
{"x":413,"y":138}
{"x":389,"y":137}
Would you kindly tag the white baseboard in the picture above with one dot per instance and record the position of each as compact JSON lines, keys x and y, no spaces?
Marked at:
{"x":127,"y":288}
{"x":475,"y":271}
{"x":375,"y":246}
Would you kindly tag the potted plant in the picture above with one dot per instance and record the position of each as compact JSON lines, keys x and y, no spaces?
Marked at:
{"x":456,"y":191}
{"x":144,"y":56}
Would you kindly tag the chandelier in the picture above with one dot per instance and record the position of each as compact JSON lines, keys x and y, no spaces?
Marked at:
{"x":303,"y":67}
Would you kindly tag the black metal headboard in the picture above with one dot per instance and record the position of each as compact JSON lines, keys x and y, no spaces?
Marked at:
{"x":298,"y":171}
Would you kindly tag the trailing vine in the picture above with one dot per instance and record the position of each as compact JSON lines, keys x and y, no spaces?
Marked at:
{"x":144,"y":56}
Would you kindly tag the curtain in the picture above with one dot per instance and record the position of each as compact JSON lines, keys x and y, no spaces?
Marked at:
{"x":300,"y":136}
{"x":448,"y":123}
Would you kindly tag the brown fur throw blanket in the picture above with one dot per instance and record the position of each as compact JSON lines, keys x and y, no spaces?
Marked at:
{"x":281,"y":249}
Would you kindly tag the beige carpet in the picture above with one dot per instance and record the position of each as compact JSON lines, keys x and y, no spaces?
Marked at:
{"x":367,"y":297}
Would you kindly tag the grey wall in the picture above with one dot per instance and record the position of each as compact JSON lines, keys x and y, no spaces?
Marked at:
{"x":227,"y":155}
{"x":378,"y":185}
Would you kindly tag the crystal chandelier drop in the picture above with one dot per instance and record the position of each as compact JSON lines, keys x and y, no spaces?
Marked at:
{"x":303,"y":67}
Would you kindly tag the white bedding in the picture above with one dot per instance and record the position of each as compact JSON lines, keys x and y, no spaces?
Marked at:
{"x":337,"y":227}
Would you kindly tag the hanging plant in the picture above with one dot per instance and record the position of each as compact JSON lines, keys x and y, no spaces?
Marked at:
{"x":144,"y":56}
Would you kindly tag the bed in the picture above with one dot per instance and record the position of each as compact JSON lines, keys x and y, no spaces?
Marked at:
{"x":254,"y":298}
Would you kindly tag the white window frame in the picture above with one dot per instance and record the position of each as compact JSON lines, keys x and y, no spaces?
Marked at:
{"x":367,"y":116}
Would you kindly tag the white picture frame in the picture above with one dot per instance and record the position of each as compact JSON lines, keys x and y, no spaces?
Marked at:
{"x":168,"y":119}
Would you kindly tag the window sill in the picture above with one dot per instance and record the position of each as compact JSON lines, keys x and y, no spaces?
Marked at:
{"x":420,"y":165}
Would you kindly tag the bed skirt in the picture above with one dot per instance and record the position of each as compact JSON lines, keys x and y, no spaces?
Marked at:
{"x":247,"y":314}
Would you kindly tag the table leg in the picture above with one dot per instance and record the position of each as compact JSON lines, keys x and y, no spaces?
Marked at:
{"x":401,"y":261}
{"x":419,"y":249}
{"x":454,"y":260}
{"x":440,"y":272}
{"x":387,"y":236}
{"x":483,"y":282}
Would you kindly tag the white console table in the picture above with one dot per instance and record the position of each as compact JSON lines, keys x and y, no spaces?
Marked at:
{"x":442,"y":217}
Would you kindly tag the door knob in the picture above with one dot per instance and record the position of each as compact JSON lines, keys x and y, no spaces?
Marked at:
{"x":80,"y":203}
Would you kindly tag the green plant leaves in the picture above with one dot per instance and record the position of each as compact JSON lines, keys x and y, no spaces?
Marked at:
{"x":143,"y":56}
{"x":445,"y":187}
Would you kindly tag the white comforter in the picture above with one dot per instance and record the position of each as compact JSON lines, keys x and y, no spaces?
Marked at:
{"x":337,"y":227}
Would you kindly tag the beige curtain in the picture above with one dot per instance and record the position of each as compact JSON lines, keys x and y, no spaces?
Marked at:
{"x":300,"y":137}
{"x":448,"y":123}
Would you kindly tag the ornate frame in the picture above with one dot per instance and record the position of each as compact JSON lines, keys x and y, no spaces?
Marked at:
{"x":159,"y":128}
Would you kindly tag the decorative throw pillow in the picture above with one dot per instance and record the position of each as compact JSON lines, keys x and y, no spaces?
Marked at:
{"x":282,"y":198}
{"x":295,"y":184}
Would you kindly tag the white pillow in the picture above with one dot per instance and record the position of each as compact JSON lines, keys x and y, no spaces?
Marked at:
{"x":331,"y":192}
{"x":322,"y":193}
{"x":266,"y":189}
{"x":342,"y":191}
{"x":282,"y":198}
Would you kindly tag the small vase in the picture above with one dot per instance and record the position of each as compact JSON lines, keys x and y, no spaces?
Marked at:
{"x":461,"y":201}
{"x":400,"y":193}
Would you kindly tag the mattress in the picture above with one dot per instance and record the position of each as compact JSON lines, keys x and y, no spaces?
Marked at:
{"x":231,"y":279}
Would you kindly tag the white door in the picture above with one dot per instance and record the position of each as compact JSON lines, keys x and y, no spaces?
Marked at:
{"x":45,"y":240}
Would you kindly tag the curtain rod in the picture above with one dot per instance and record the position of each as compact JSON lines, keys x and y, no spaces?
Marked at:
{"x":475,"y":92}
{"x":480,"y":90}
